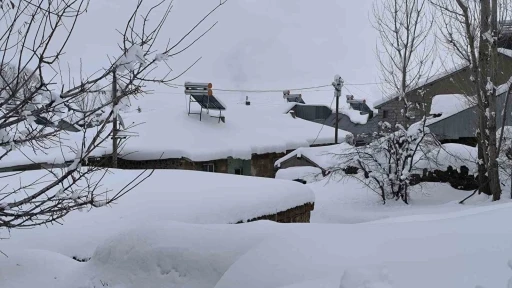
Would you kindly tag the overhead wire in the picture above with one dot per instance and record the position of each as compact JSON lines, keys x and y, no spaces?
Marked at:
{"x":310,"y":88}
{"x":363,"y":84}
{"x":255,"y":91}
{"x":325,"y":121}
{"x":270,"y":90}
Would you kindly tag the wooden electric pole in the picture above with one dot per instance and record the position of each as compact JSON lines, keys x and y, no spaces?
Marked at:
{"x":114,"y":126}
{"x":337,"y":84}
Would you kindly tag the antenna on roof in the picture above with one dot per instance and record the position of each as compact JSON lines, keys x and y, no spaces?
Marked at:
{"x":202,"y":94}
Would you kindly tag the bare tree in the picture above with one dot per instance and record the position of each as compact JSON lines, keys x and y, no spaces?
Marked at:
{"x":31,"y":101}
{"x":386,"y":164}
{"x":404,"y":52}
{"x":471,"y":29}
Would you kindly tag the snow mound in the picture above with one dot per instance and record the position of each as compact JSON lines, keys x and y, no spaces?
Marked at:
{"x":173,"y":256}
{"x":168,"y":195}
{"x":451,"y":154}
{"x":34,"y":268}
{"x":355,"y":116}
{"x":309,"y":174}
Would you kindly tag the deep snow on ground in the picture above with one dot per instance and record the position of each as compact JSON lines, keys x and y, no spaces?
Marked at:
{"x":348,"y":201}
{"x":353,"y":242}
{"x":168,"y":195}
{"x":458,"y":251}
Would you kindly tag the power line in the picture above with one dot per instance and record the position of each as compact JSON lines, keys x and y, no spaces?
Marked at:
{"x":362,"y":84}
{"x":271,"y":90}
{"x":323,"y":124}
{"x":363,"y":92}
{"x":260,"y":90}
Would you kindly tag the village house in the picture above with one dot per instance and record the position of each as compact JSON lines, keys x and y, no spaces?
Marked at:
{"x":361,"y":120}
{"x":454,"y":81}
{"x":252,"y":138}
{"x":323,"y":158}
{"x":169,"y":136}
{"x":454,"y":117}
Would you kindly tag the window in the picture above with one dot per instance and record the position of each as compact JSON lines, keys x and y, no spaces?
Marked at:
{"x":239,"y":171}
{"x":210,"y":167}
{"x":385,"y":114}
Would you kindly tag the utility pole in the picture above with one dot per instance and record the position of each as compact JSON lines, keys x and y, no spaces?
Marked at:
{"x":337,"y":84}
{"x":114,"y":128}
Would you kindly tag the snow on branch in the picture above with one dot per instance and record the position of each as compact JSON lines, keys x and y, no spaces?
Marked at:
{"x":41,"y":109}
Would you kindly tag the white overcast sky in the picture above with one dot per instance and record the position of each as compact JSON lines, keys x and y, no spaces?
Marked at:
{"x":258,"y":44}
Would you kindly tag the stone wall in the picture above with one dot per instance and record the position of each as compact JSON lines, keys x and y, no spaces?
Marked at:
{"x":299,"y":214}
{"x":262,"y":165}
{"x":459,"y":179}
{"x":221,"y":165}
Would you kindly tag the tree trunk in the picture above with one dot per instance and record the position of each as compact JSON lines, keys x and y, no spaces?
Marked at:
{"x":493,"y":144}
{"x":487,"y":68}
{"x":482,"y":171}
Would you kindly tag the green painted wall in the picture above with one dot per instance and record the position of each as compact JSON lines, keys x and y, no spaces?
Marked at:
{"x":234,"y":164}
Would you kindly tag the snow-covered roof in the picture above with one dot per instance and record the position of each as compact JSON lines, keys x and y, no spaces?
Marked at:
{"x":202,"y":197}
{"x":355,"y":115}
{"x":323,"y":156}
{"x":448,"y":105}
{"x":168,"y":132}
{"x":57,"y":151}
{"x":164,"y":130}
{"x":308,"y":173}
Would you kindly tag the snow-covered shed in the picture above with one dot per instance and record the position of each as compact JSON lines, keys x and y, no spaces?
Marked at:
{"x":321,"y":159}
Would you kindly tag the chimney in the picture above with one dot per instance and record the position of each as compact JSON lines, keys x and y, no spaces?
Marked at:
{"x":247,"y":102}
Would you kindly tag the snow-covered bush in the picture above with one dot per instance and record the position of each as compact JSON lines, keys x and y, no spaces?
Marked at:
{"x":38,"y":102}
{"x":386,"y":164}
